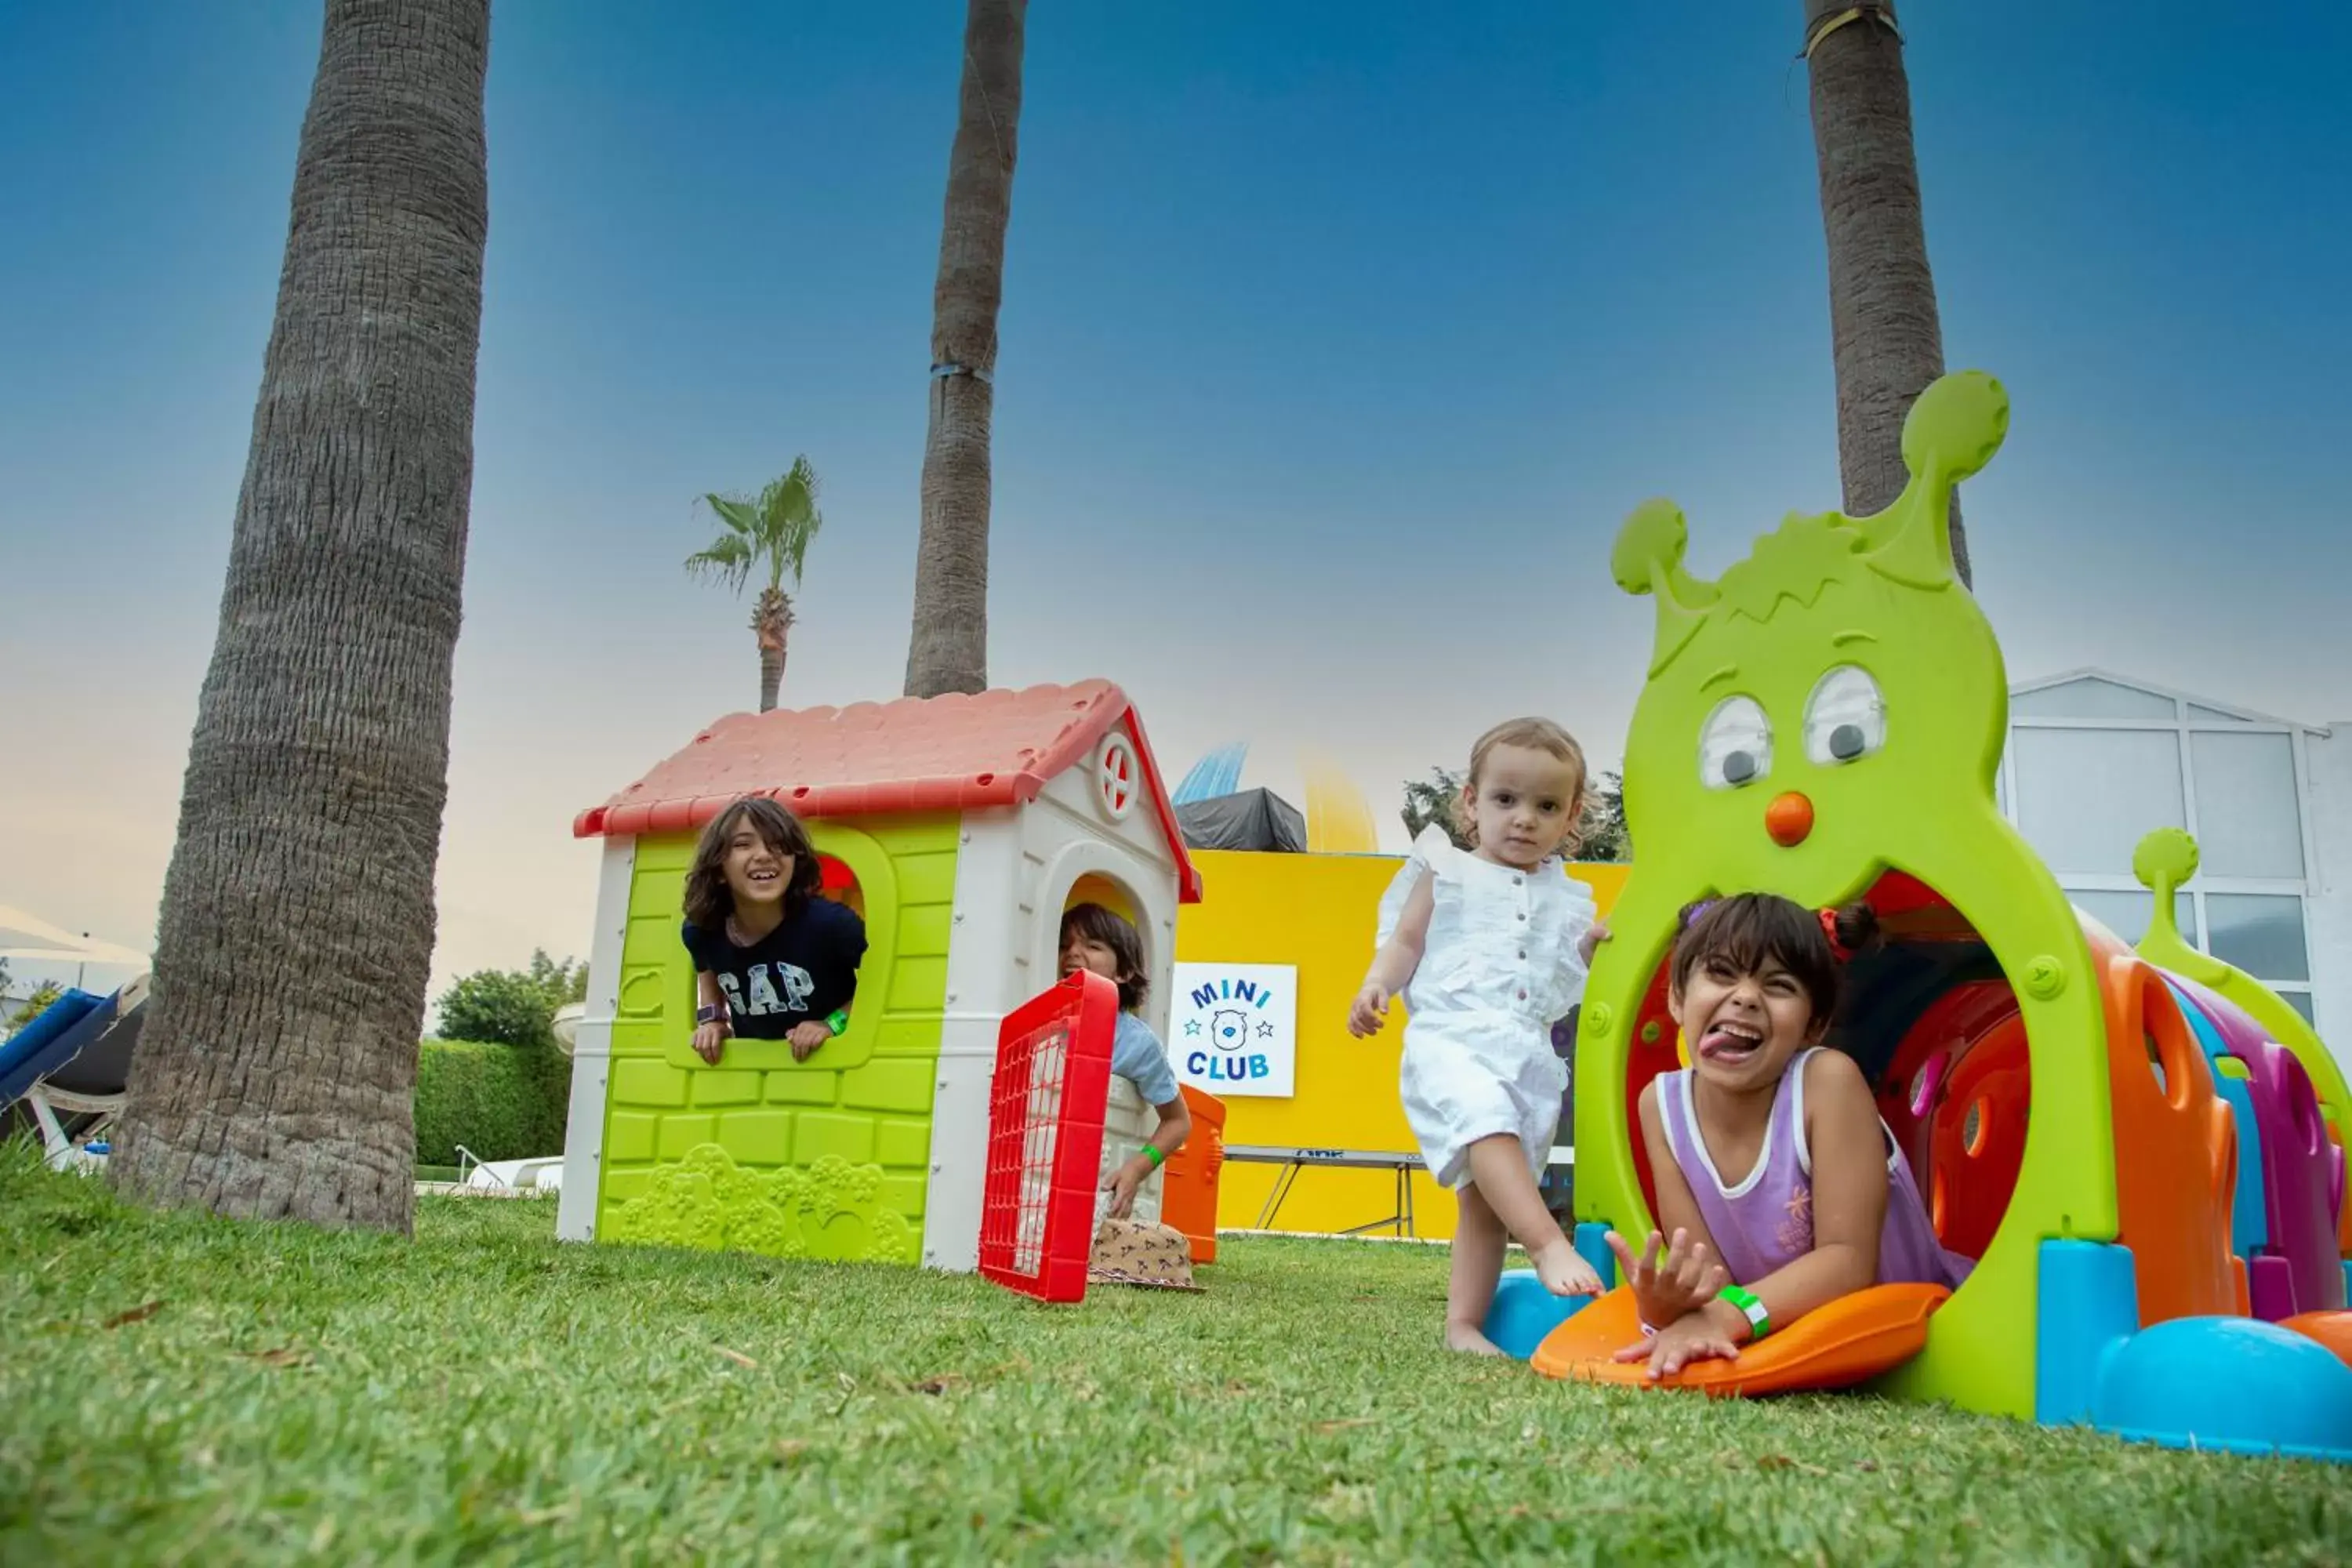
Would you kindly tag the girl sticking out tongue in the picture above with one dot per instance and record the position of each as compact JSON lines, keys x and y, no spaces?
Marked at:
{"x":1781,"y":1186}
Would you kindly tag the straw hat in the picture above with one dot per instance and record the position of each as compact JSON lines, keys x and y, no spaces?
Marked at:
{"x":1129,"y":1252}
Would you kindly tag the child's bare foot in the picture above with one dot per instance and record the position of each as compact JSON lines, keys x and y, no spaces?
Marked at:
{"x":1466,"y":1338}
{"x":1563,"y":1270}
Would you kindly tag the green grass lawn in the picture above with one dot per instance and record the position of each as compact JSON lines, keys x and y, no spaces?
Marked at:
{"x":179,"y":1389}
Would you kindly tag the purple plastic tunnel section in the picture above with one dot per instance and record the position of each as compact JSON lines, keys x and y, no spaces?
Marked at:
{"x":2297,"y":1267}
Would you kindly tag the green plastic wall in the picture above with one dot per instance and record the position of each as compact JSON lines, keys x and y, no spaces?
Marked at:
{"x":829,"y":1158}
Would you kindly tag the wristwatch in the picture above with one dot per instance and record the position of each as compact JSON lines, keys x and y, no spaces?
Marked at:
{"x":710,"y":1013}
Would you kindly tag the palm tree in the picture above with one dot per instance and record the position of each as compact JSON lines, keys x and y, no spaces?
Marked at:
{"x":1885,"y":336}
{"x":277,"y":1076}
{"x":949,"y":649}
{"x":771,"y":532}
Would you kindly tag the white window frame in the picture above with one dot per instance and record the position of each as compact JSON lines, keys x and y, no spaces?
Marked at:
{"x":2183,"y":724}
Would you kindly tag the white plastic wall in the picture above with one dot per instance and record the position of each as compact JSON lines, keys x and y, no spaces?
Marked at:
{"x":2328,"y":912}
{"x":1015,"y":868}
{"x":592,"y":1050}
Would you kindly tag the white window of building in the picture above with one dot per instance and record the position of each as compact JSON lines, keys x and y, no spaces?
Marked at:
{"x":2095,"y":762}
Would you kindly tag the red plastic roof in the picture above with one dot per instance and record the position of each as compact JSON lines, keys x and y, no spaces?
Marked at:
{"x":935,"y":753}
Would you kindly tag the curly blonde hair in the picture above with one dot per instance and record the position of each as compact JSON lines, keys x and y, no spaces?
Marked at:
{"x":1535,"y":735}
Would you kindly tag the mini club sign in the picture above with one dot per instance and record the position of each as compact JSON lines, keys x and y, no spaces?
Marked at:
{"x":1233,"y":1027}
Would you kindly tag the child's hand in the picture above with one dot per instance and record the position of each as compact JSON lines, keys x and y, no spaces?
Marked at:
{"x":709,"y":1040}
{"x":807,"y":1037}
{"x":1123,"y":1184}
{"x":1692,"y":1338}
{"x":1370,"y":1009}
{"x":1688,"y":1279}
{"x":1589,"y":942}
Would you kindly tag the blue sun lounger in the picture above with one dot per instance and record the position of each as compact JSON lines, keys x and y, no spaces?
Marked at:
{"x":65,"y":1072}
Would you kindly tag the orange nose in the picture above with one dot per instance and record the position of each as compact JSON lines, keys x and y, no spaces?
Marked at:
{"x":1789,"y":819}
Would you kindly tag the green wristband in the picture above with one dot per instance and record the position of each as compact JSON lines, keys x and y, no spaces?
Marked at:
{"x":1151,"y":1153}
{"x":1759,"y":1321}
{"x":839,"y":1022}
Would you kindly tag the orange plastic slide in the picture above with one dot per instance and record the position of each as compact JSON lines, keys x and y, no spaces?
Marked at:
{"x":1853,"y":1338}
{"x":2332,"y":1329}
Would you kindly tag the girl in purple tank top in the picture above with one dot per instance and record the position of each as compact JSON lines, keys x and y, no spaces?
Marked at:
{"x":1781,"y":1186}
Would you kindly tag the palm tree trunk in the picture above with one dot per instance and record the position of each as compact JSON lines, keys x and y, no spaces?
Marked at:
{"x":771,"y":623}
{"x":1885,"y":336}
{"x":949,"y":649}
{"x":277,"y":1076}
{"x":771,"y":676}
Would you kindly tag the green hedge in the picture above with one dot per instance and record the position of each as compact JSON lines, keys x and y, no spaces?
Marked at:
{"x":504,"y":1102}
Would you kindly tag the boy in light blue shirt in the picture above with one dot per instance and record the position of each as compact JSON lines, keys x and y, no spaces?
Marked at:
{"x":1097,"y":939}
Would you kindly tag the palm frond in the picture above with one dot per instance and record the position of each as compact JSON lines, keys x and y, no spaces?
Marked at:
{"x":728,"y":558}
{"x":772,"y":532}
{"x":736,"y":512}
{"x":789,"y":520}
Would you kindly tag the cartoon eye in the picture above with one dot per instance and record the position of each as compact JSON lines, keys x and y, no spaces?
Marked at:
{"x":1735,"y":746}
{"x":1845,"y":718}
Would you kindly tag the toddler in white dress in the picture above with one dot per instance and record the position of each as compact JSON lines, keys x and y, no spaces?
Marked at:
{"x":1489,"y":947}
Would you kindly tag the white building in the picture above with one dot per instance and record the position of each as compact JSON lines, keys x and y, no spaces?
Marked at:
{"x":2094,"y":762}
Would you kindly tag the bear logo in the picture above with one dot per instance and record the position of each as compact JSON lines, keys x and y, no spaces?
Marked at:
{"x":1229,"y":1027}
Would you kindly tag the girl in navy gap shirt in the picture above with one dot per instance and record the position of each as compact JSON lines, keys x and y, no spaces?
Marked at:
{"x":773,"y":960}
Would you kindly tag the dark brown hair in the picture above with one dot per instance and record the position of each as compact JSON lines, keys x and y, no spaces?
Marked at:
{"x":1748,"y":929}
{"x":707,"y":900}
{"x":1534,"y":735}
{"x":1109,"y":928}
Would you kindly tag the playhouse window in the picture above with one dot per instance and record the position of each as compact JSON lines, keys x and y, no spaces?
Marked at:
{"x":1097,"y":888}
{"x":840,"y":884}
{"x":1094,"y":887}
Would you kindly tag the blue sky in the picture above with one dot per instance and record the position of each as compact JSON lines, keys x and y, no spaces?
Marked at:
{"x":1337,"y":340}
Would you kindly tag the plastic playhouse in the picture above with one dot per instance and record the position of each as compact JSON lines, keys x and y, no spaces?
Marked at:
{"x":959,"y":829}
{"x":2143,"y":1150}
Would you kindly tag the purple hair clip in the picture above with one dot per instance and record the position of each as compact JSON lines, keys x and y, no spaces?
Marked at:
{"x":1691,"y":912}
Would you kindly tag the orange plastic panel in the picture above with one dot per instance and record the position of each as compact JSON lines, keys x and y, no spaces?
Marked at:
{"x":1853,"y":1338}
{"x":2176,"y":1147}
{"x":1188,"y":1193}
{"x":1966,"y":1052}
{"x":2332,"y":1329}
{"x":1976,"y":1138}
{"x":1650,"y":1053}
{"x":1913,"y":1082}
